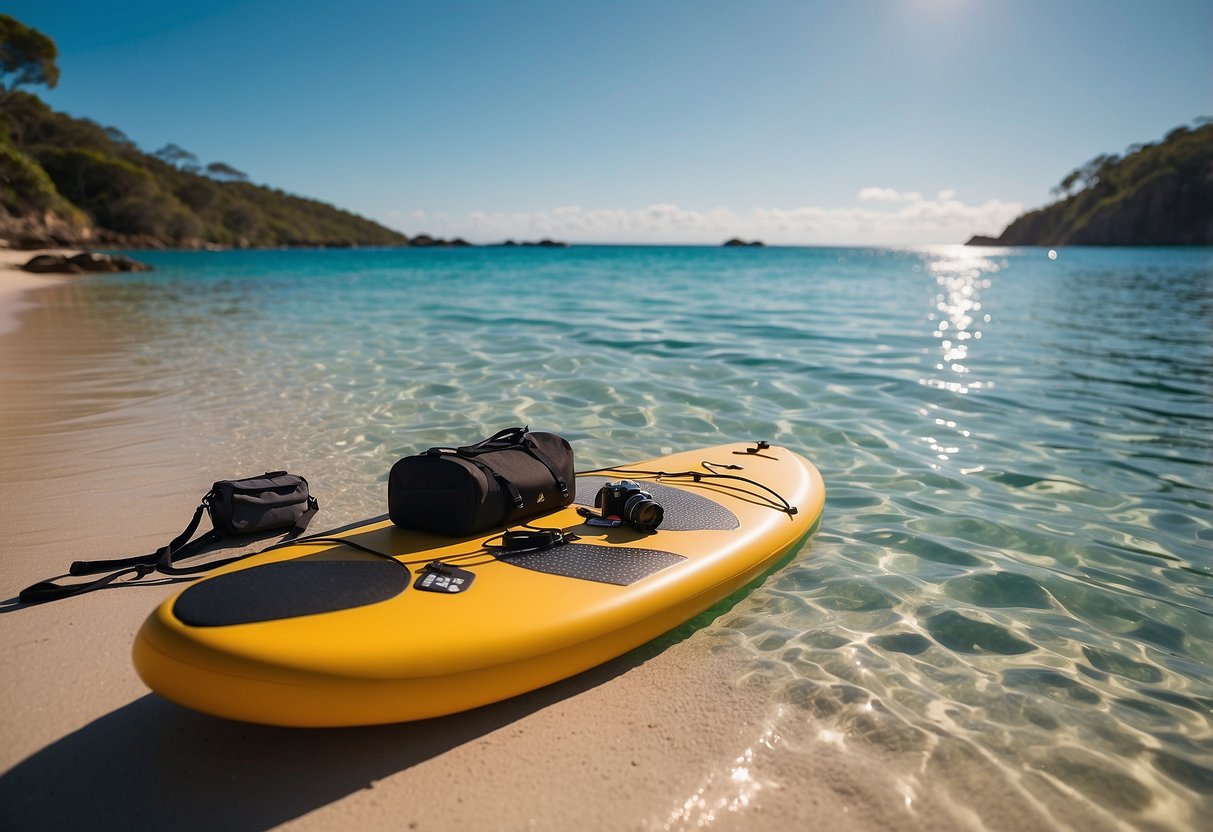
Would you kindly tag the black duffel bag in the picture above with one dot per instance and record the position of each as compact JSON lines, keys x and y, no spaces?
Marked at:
{"x":505,"y":479}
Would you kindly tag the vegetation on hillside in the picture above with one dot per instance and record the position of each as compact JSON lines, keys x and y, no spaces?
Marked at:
{"x":1156,"y":194}
{"x":70,"y":180}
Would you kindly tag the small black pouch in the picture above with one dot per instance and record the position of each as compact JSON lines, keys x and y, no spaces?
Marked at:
{"x":513,"y":475}
{"x":273,"y":501}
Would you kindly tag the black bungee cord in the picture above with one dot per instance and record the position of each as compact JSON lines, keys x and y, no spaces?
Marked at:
{"x":698,"y":476}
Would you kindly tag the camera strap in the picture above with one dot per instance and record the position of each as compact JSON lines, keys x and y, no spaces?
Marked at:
{"x":592,"y":519}
{"x":529,"y":541}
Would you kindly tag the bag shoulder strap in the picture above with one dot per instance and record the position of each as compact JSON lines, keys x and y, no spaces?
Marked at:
{"x":50,"y":591}
{"x":531,"y":447}
{"x":138,"y":566}
{"x":162,"y":560}
{"x":92,"y":567}
{"x":508,"y":438}
{"x":502,"y":480}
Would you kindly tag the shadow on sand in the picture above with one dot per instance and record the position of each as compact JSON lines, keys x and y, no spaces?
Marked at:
{"x":154,"y":765}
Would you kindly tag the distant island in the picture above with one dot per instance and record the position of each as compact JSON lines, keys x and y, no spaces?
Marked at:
{"x":736,"y":243}
{"x":544,"y":243}
{"x":426,"y":241}
{"x":1155,"y":195}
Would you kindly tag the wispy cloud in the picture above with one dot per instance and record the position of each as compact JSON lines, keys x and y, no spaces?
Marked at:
{"x":882,"y":216}
{"x":875,"y":194}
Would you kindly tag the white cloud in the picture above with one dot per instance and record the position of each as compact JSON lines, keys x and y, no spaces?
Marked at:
{"x":890,"y":218}
{"x":875,"y":194}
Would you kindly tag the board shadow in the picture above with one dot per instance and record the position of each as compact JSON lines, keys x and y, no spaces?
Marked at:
{"x":154,"y":765}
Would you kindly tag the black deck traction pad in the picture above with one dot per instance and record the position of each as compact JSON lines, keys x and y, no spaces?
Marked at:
{"x":619,"y":565}
{"x":289,"y":589}
{"x":684,"y":511}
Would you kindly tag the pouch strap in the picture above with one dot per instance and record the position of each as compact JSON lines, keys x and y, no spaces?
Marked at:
{"x":166,"y":556}
{"x":159,"y":561}
{"x":91,"y":567}
{"x":50,"y":591}
{"x":301,"y":524}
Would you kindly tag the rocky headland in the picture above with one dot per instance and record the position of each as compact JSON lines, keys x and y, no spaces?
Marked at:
{"x":1155,"y":195}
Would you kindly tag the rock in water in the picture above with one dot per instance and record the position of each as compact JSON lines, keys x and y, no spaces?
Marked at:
{"x":82,"y":263}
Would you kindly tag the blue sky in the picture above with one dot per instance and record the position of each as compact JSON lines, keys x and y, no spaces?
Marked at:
{"x":869,"y":122}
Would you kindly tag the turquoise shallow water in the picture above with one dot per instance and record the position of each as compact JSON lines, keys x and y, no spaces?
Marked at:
{"x":1013,"y":575}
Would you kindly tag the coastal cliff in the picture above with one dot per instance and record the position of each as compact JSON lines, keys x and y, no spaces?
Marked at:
{"x":1157,"y":194}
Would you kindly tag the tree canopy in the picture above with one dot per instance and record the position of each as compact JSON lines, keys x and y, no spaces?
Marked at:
{"x":26,"y":55}
{"x":225,"y":172}
{"x":177,"y":156}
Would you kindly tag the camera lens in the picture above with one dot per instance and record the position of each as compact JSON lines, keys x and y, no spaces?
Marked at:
{"x":643,"y":512}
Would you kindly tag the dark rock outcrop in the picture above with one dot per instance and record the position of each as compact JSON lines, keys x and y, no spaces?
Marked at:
{"x":83,"y":263}
{"x":738,"y":243}
{"x":52,"y":264}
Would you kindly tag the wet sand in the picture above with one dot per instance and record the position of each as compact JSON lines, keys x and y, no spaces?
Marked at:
{"x":679,"y":734}
{"x":16,"y":285}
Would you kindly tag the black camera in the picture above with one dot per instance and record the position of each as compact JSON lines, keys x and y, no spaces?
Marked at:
{"x":625,"y":500}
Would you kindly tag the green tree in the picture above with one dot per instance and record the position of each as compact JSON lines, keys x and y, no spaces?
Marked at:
{"x":178,"y":157}
{"x":1067,"y":184}
{"x":119,"y":138}
{"x":225,"y":172}
{"x":24,"y":186}
{"x":1086,"y":176}
{"x":26,"y":56}
{"x":110,"y":190}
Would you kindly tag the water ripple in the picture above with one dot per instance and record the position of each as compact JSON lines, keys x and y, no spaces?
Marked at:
{"x":1012,"y":584}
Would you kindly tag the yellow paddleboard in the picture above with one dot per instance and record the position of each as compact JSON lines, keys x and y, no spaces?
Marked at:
{"x":323,"y":634}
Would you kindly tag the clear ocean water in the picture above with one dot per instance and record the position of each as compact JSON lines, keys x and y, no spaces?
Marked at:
{"x":1014,"y":574}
